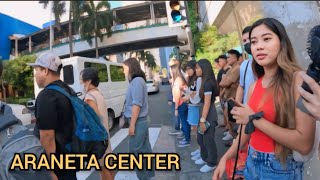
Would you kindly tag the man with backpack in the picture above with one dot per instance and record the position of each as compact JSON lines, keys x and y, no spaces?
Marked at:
{"x":53,"y":111}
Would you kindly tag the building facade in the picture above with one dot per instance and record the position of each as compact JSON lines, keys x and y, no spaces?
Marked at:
{"x":10,"y":26}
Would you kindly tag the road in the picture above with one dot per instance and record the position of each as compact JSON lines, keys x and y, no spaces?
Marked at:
{"x":161,"y":142}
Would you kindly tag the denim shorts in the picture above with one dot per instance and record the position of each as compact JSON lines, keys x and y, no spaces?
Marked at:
{"x":265,"y":166}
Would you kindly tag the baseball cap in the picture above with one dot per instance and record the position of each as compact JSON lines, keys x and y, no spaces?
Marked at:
{"x":47,"y":60}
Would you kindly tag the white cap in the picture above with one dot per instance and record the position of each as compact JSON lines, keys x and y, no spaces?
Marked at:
{"x":47,"y":60}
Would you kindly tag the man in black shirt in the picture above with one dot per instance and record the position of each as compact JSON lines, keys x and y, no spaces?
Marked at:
{"x":222,"y":61}
{"x":53,"y":111}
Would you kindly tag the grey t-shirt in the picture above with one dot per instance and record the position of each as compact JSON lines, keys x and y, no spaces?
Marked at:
{"x":137,"y":95}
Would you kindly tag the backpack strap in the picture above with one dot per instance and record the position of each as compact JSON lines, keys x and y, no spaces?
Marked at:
{"x":59,"y":89}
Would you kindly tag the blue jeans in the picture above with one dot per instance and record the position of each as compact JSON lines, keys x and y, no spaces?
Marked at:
{"x":183,"y":115}
{"x":265,"y":166}
{"x":139,"y":143}
{"x":175,"y":120}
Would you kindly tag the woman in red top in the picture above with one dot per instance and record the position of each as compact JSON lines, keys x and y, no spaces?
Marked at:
{"x":280,"y":127}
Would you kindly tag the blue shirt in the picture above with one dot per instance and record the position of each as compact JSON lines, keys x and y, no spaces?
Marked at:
{"x":250,"y":78}
{"x":136,"y":95}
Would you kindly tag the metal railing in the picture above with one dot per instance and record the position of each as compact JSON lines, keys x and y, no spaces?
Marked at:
{"x":118,"y":27}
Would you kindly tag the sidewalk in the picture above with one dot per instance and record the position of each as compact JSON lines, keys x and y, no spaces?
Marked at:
{"x":190,"y":170}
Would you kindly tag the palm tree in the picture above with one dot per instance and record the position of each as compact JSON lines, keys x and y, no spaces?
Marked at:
{"x":58,"y":9}
{"x":98,"y":17}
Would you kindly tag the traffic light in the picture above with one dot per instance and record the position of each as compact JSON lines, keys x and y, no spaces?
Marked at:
{"x":176,"y":13}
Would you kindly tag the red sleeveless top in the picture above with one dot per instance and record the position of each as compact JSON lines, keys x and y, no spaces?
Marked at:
{"x":260,"y":141}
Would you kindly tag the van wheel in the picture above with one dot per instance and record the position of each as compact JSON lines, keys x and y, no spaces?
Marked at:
{"x":110,"y":120}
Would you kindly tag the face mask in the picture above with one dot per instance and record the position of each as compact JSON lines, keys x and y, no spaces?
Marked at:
{"x":247,"y":48}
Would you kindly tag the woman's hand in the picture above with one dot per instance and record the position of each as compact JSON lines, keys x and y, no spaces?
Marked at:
{"x":132,"y":129}
{"x":241,"y":114}
{"x":203,"y":127}
{"x":311,"y":101}
{"x":221,"y":168}
{"x":176,"y":113}
{"x":183,"y":88}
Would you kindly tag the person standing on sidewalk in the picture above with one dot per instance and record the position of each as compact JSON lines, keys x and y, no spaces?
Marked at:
{"x":272,"y":122}
{"x":176,"y":129}
{"x":181,"y":108}
{"x":136,"y":112}
{"x":93,"y":97}
{"x":208,"y":93}
{"x":193,"y":99}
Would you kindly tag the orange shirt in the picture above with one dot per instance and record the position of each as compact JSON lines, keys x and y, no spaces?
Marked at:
{"x":260,"y":141}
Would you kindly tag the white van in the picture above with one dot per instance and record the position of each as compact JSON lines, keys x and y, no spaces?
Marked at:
{"x":113,"y":84}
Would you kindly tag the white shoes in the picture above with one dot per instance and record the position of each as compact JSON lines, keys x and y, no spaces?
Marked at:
{"x":225,"y":133}
{"x":196,"y":157}
{"x":195,"y":152}
{"x":207,"y":168}
{"x":200,"y":161}
{"x":227,"y":137}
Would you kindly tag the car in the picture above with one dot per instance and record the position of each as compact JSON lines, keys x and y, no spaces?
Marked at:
{"x":23,"y":114}
{"x":152,"y":86}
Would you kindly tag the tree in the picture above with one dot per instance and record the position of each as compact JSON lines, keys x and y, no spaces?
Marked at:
{"x":3,"y":90}
{"x":58,"y":9}
{"x":99,"y":17}
{"x":212,"y":44}
{"x":20,"y":75}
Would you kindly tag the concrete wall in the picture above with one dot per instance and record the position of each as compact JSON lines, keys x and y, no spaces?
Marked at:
{"x":298,"y":17}
{"x":209,"y":10}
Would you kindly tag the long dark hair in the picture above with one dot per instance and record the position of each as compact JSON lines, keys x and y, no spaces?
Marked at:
{"x":134,"y":69}
{"x":192,"y":65}
{"x":281,"y":85}
{"x":207,"y":76}
{"x":176,"y":72}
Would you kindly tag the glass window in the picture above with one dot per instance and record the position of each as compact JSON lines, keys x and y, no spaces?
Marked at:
{"x":116,"y":73}
{"x":102,"y":70}
{"x":68,"y":74}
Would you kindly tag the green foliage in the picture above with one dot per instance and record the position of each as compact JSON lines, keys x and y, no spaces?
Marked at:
{"x":116,"y":73}
{"x":212,"y":44}
{"x":96,"y":20}
{"x":19,"y":75}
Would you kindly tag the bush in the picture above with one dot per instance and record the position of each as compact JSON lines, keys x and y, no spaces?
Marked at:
{"x":18,"y":100}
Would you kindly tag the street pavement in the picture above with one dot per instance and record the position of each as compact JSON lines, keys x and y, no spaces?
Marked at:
{"x":161,"y":142}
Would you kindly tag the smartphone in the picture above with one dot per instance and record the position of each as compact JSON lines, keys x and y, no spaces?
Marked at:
{"x":232,"y":103}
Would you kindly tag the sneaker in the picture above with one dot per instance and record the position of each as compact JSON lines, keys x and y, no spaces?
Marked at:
{"x":184,"y":139}
{"x":200,"y":161}
{"x":196,"y":157}
{"x":207,"y":168}
{"x":179,"y":136}
{"x":227,"y":137}
{"x":195,"y":152}
{"x":225,"y":133}
{"x":184,"y":143}
{"x":174,"y":132}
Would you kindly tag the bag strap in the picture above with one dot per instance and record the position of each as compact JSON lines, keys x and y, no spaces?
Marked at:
{"x":59,"y":89}
{"x":239,"y":141}
{"x":245,"y":74}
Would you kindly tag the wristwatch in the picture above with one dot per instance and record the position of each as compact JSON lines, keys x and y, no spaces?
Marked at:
{"x":203,"y":119}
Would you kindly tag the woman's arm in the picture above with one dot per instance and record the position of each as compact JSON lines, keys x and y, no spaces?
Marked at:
{"x":299,"y":139}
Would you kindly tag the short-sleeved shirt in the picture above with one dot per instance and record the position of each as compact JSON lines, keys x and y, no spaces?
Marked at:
{"x":209,"y":88}
{"x":250,"y":78}
{"x":136,"y":95}
{"x":53,"y":111}
{"x":233,"y":76}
